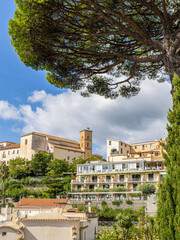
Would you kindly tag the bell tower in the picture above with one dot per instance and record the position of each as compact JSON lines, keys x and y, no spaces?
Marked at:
{"x":86,"y":142}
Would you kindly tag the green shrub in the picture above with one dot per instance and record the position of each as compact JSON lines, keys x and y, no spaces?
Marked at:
{"x":147,"y":188}
{"x":104,"y":203}
{"x":10,"y":205}
{"x":81,"y":208}
{"x":117,"y":203}
{"x":129,"y":202}
{"x":118,"y":189}
{"x":101,"y":190}
{"x":87,"y":201}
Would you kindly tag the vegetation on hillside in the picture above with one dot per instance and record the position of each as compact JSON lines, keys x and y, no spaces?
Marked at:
{"x":43,"y":177}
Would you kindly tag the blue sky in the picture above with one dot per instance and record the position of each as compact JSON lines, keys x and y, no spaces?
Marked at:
{"x":17,"y":80}
{"x":29,"y":103}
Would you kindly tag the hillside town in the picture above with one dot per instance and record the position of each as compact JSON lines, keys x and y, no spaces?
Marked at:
{"x":117,"y":181}
{"x":90,"y":120}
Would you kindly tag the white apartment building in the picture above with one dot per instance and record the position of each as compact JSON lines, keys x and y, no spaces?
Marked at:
{"x":127,"y":166}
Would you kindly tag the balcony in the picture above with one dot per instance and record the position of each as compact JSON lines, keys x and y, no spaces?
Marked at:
{"x":134,"y":180}
{"x":123,"y":170}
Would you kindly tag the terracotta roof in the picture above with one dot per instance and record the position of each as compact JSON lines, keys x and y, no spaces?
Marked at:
{"x":51,"y":137}
{"x":94,"y":154}
{"x":66,"y":147}
{"x":34,"y":202}
{"x":49,"y":217}
{"x":11,"y":146}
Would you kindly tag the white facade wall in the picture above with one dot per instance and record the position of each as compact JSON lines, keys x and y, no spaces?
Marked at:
{"x":8,"y":233}
{"x":54,"y":230}
{"x":6,"y":155}
{"x":112,"y":144}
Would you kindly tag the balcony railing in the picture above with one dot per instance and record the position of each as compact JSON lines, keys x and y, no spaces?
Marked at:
{"x":124,"y":170}
{"x":127,"y":180}
{"x":134,"y":180}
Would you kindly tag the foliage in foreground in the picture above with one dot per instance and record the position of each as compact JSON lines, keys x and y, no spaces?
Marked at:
{"x":168,"y":213}
{"x":131,"y":225}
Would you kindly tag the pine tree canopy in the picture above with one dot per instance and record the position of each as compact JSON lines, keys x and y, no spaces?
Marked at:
{"x":89,"y":44}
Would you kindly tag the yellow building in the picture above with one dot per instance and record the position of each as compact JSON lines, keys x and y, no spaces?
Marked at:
{"x":128,"y":166}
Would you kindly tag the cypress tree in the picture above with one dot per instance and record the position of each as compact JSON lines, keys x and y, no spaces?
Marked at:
{"x":168,"y":212}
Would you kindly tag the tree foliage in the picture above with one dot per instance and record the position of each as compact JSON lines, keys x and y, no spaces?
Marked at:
{"x":79,"y":41}
{"x":169,"y":191}
{"x":40,"y":163}
{"x":58,"y":167}
{"x":19,"y":168}
{"x":4,"y":173}
{"x":147,"y":188}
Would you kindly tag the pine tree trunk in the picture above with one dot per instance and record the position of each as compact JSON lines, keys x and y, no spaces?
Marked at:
{"x":172,"y":59}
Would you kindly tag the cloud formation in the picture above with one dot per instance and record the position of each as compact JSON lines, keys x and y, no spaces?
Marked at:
{"x":140,"y":118}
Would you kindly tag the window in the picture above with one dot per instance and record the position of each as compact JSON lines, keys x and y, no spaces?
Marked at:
{"x":135,"y":147}
{"x":87,"y":137}
{"x":118,"y":166}
{"x":125,"y":145}
{"x":121,"y":144}
{"x":17,"y":151}
{"x":26,"y":141}
{"x":94,"y":178}
{"x":114,"y":151}
{"x":121,"y":178}
{"x":79,"y":187}
{"x":13,"y":151}
{"x":91,"y":187}
{"x":121,"y":150}
{"x":143,"y":147}
{"x":108,"y":178}
{"x":106,"y":186}
{"x":87,"y":144}
{"x":8,"y":152}
{"x":3,"y":233}
{"x":151,"y":146}
{"x":82,"y":179}
{"x":81,"y":144}
{"x":109,"y":143}
{"x":134,"y":186}
{"x":68,"y":157}
{"x":156,"y":154}
{"x":150,"y":176}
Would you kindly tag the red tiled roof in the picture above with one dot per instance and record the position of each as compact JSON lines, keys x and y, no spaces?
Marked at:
{"x":11,"y":146}
{"x":51,"y":137}
{"x":95,"y":154}
{"x":34,"y":202}
{"x":68,"y":148}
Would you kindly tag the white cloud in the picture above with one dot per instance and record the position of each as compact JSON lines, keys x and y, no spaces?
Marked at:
{"x":140,"y":118}
{"x":8,"y":111}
